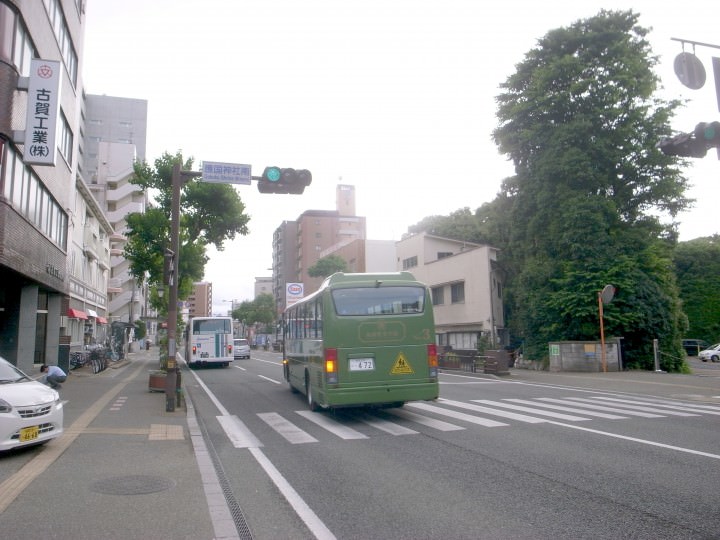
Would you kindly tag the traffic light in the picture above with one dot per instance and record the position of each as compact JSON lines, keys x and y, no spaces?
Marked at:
{"x":709,"y":133}
{"x":683,"y":145}
{"x":277,"y":180}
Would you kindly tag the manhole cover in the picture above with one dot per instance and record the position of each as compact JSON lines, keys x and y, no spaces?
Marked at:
{"x":133,"y":485}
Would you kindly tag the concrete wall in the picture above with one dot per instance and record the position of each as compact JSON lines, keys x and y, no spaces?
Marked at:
{"x":583,"y":356}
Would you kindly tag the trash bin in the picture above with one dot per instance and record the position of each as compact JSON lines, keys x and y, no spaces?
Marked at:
{"x":63,"y":360}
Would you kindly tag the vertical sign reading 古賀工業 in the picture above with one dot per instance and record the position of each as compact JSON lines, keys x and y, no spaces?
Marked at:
{"x":293,"y":293}
{"x":42,"y":112}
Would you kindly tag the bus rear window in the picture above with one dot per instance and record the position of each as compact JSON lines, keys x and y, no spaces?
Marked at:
{"x":212,"y":326}
{"x":379,"y":300}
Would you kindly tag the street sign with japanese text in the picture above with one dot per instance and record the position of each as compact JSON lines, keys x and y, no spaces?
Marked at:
{"x":226,"y":173}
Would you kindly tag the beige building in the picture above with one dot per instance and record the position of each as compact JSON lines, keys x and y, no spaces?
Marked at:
{"x":466,"y":287}
{"x":199,"y":303}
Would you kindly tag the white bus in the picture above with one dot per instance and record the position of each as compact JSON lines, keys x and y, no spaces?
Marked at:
{"x":209,"y":341}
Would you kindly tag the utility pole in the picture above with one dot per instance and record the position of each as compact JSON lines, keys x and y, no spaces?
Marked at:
{"x":172,"y":379}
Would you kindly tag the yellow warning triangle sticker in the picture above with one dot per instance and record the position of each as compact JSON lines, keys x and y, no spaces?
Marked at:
{"x":401,"y":367}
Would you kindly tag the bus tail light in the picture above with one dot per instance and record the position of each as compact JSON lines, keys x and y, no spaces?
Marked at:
{"x":432,"y":359}
{"x":229,"y":347}
{"x":331,"y":366}
{"x":194,"y":350}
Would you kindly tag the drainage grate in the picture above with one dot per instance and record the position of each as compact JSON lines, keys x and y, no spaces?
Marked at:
{"x":237,"y":514}
{"x":133,"y":485}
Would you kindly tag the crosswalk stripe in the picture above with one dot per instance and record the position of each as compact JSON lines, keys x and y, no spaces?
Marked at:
{"x":597,"y":407}
{"x":333,"y":426}
{"x":287,"y":429}
{"x":570,"y":409}
{"x":671,"y":405}
{"x":384,"y":425}
{"x":455,"y":414}
{"x":640,"y":408}
{"x":434,"y":423}
{"x":494,"y":412}
{"x":559,"y":416}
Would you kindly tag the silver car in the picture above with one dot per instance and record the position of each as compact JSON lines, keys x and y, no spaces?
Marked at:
{"x":241,"y":348}
{"x":711,"y":353}
{"x":30,"y":412}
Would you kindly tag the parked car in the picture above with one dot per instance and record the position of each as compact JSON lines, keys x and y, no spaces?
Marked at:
{"x":711,"y":353}
{"x":694,"y":346}
{"x":30,"y":411}
{"x":241,"y":349}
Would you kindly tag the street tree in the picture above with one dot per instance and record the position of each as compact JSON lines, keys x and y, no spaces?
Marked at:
{"x":580,"y":122}
{"x":697,"y":265}
{"x":260,"y":310}
{"x":327,"y":266}
{"x":210,"y":214}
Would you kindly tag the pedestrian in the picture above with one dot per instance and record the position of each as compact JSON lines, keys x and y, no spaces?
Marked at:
{"x":54,"y":376}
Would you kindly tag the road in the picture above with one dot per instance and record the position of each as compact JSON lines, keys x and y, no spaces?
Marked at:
{"x":535,"y":455}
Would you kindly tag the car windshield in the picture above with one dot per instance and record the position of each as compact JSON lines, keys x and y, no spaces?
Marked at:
{"x":10,"y":374}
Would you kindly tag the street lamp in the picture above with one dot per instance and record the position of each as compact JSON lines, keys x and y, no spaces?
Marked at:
{"x":172,"y":380}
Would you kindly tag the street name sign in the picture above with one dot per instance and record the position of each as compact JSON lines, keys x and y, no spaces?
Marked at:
{"x":226,"y":173}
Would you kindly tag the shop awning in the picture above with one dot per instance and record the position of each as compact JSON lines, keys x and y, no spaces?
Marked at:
{"x":76,"y":314}
{"x":101,"y":320}
{"x":92,"y":313}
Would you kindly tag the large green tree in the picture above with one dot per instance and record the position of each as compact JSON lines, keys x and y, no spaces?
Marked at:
{"x":260,"y":310}
{"x":210,"y":213}
{"x":580,"y":122}
{"x":326,"y":266}
{"x":697,"y":265}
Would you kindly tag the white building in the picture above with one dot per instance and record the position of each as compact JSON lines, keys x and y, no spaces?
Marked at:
{"x":466,"y":287}
{"x":88,"y":269}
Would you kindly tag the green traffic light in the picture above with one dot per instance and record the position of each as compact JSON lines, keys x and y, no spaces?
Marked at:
{"x":273,"y":174}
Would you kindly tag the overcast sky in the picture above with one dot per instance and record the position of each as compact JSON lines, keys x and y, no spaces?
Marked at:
{"x":395,"y":97}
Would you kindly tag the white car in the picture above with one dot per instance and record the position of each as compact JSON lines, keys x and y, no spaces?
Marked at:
{"x":711,"y":353}
{"x":241,"y":348}
{"x":30,"y":412}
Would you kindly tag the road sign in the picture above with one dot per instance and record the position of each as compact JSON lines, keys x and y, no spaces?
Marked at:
{"x":226,"y":173}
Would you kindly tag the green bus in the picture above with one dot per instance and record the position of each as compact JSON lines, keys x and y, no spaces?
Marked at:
{"x":362,"y":339}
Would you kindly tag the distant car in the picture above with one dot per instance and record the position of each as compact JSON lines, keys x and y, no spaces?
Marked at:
{"x":241,"y":349}
{"x":694,"y":346}
{"x":30,"y":412}
{"x":711,"y":353}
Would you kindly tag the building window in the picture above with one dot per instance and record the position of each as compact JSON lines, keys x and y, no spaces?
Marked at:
{"x":62,"y":34}
{"x":65,"y":144}
{"x":410,"y":262}
{"x":457,"y":292}
{"x":15,"y":45}
{"x":438,"y":295}
{"x":29,"y":197}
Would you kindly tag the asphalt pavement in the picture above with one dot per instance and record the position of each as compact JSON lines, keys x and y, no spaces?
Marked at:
{"x":124,"y":467}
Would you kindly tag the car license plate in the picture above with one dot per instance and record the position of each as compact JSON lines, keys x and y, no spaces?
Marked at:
{"x":362,"y":364}
{"x":29,"y":433}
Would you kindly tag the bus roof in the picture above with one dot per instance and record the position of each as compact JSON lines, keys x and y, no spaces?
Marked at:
{"x":342,"y":277}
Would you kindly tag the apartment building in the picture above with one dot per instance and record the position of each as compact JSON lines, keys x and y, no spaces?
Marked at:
{"x":299,"y":244}
{"x":114,"y":131}
{"x":466,"y":287}
{"x":199,"y":303}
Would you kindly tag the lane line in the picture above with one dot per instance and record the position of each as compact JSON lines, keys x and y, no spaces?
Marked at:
{"x":635,"y":439}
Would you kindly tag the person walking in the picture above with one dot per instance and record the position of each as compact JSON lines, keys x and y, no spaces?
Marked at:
{"x":54,"y":376}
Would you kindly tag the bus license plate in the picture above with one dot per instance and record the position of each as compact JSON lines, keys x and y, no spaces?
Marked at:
{"x":29,"y":433}
{"x":362,"y":364}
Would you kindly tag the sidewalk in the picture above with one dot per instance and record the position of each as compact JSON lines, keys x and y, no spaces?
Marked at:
{"x":124,"y":468}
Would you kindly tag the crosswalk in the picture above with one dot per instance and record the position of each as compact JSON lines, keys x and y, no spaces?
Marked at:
{"x":451,"y":415}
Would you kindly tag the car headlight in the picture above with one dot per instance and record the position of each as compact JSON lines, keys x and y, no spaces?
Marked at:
{"x":5,"y":407}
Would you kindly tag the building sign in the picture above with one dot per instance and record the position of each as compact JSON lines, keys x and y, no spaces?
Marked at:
{"x":226,"y":173}
{"x":42,"y":112}
{"x":293,"y":293}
